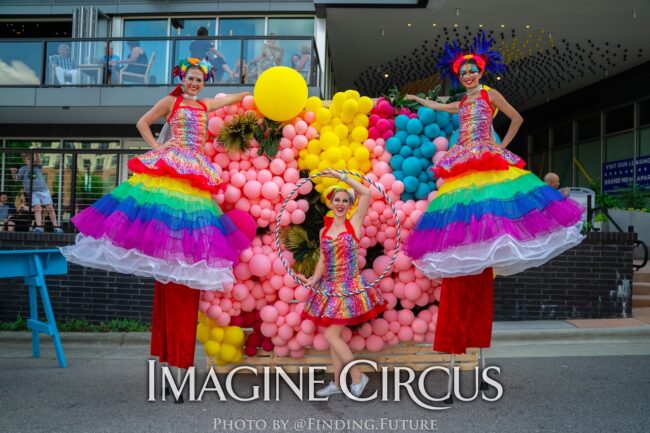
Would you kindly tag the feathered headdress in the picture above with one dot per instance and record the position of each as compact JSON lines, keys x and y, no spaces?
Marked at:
{"x":206,"y":67}
{"x":487,"y":60}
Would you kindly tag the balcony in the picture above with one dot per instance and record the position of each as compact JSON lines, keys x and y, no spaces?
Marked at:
{"x":110,"y":80}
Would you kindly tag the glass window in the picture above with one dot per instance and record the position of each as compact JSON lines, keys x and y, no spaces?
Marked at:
{"x":22,"y":63}
{"x":226,"y":69}
{"x":233,"y":50}
{"x":619,"y":119}
{"x":189,"y":26}
{"x":563,"y":135}
{"x":539,"y":163}
{"x":74,"y":63}
{"x":644,"y":142}
{"x":291,"y":26}
{"x":540,"y":141}
{"x":619,"y":147}
{"x":644,"y":107}
{"x":563,"y":164}
{"x":241,"y":27}
{"x":147,"y":60}
{"x":589,"y":127}
{"x":588,"y":156}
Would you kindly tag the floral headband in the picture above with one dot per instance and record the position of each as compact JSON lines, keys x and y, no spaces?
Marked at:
{"x":206,"y":67}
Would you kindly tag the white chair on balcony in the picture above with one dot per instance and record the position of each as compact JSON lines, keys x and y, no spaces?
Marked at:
{"x":132,"y":76}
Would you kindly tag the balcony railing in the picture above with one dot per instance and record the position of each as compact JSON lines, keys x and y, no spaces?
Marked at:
{"x":102,"y":62}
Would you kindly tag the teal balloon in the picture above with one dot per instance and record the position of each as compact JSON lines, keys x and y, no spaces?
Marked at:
{"x":396,"y":162}
{"x":423,"y":177}
{"x":425,"y":163}
{"x":428,"y":149}
{"x":448,"y":129}
{"x":426,"y":115}
{"x":432,"y":185}
{"x":417,"y":153}
{"x":407,"y":196}
{"x":412,"y":166}
{"x":402,"y":136}
{"x":422,"y":192}
{"x":454,"y":138}
{"x":495,"y":136}
{"x":442,"y":118}
{"x":406,"y":151}
{"x":413,"y":141}
{"x":399,"y":174}
{"x":455,"y":120}
{"x":401,"y":121}
{"x":414,"y":126}
{"x":411,"y":184}
{"x":393,"y":145}
{"x":432,"y":131}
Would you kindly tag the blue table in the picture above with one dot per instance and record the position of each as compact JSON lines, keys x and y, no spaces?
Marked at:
{"x":33,"y":265}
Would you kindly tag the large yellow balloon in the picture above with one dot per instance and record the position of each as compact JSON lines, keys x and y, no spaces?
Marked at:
{"x":280,"y":93}
{"x":234,"y":335}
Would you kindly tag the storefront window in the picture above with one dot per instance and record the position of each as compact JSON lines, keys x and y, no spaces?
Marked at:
{"x":619,"y":119}
{"x":563,"y":164}
{"x":589,"y":127}
{"x":588,"y":155}
{"x":619,"y":147}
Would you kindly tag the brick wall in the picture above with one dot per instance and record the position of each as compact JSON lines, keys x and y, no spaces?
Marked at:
{"x":576,"y":284}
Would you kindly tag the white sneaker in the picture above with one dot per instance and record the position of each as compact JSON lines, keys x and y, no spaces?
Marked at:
{"x":330,"y":389}
{"x":357,"y":388}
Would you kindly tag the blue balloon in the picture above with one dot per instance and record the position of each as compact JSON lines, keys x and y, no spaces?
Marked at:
{"x":432,"y":131}
{"x":442,"y":134}
{"x":422,"y":192}
{"x":402,"y":136}
{"x":423,"y":177}
{"x":412,"y":166}
{"x":401,"y":122}
{"x":413,"y":141}
{"x":411,"y":184}
{"x":454,"y":138}
{"x":406,"y":151}
{"x":417,"y":153}
{"x":448,"y":129}
{"x":396,"y":162}
{"x":432,"y":185}
{"x":406,"y":196}
{"x":455,"y":120}
{"x":495,"y":136}
{"x":428,"y":149}
{"x":393,"y":145}
{"x":399,"y":174}
{"x":425,"y":163}
{"x":414,"y":126}
{"x":442,"y":118}
{"x":426,"y":115}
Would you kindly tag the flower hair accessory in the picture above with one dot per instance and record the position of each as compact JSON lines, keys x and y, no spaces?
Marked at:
{"x":206,"y":67}
{"x":486,"y":59}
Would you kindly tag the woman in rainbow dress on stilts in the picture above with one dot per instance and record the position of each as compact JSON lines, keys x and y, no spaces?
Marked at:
{"x":490,"y":217}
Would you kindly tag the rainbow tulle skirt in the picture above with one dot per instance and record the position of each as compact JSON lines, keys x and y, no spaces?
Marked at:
{"x":162,"y":227}
{"x":507,"y":219}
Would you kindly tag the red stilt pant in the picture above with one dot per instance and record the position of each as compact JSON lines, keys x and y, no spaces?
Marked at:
{"x":465,"y":313}
{"x":173,"y":328}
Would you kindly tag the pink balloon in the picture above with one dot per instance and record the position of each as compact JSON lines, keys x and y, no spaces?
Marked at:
{"x":248,"y":102}
{"x":412,"y":291}
{"x":240,"y":292}
{"x":278,"y":166}
{"x":405,"y":333}
{"x":264,"y":176}
{"x":282,"y":307}
{"x":242,"y":271}
{"x":300,"y":142}
{"x":260,"y":162}
{"x":260,"y":265}
{"x":304,"y":339}
{"x":357,"y":343}
{"x":309,"y":116}
{"x":253,"y":189}
{"x":394,"y":327}
{"x":286,"y":294}
{"x":380,"y":264}
{"x":289,"y":131}
{"x":287,"y":154}
{"x":293,"y":319}
{"x":232,"y":194}
{"x":214,"y":312}
{"x":320,"y":343}
{"x":438,"y":156}
{"x":298,"y":216}
{"x":285,"y":332}
{"x":405,"y":317}
{"x":375,"y":343}
{"x":441,"y":143}
{"x":281,"y":351}
{"x":214,"y":125}
{"x":308,"y":327}
{"x":269,"y":314}
{"x":291,"y":175}
{"x":439,"y":183}
{"x":238,"y":180}
{"x":380,"y":326}
{"x":270,"y":190}
{"x":311,"y":133}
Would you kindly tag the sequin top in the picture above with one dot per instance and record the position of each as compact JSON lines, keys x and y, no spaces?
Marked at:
{"x":475,"y":116}
{"x":184,"y":157}
{"x":340,"y":260}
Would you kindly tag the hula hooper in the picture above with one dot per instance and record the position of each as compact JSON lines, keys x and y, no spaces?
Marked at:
{"x":277,"y":233}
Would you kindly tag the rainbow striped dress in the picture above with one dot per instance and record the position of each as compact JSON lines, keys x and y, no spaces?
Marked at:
{"x":162,"y":222}
{"x":342,"y":277}
{"x":490,"y":212}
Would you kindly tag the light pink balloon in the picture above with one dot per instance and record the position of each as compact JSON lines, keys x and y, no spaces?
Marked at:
{"x":287,"y":154}
{"x":240,"y":292}
{"x":282,"y":307}
{"x":270,"y":190}
{"x":285,"y":332}
{"x":278,"y":166}
{"x":405,"y":333}
{"x":291,"y":175}
{"x":412,"y":291}
{"x":298,"y":216}
{"x":264,"y":176}
{"x":301,"y":127}
{"x":309,"y":116}
{"x":438,"y":156}
{"x":390,"y":299}
{"x":441,"y":143}
{"x":380,"y":326}
{"x":281,"y":351}
{"x":286,"y":294}
{"x":260,"y":265}
{"x":357,"y":343}
{"x":311,"y":133}
{"x":374,"y":343}
{"x":394,"y":327}
{"x":308,"y":327}
{"x":289,"y":131}
{"x":242,"y":271}
{"x":405,"y":317}
{"x":380,"y":264}
{"x":214,"y":125}
{"x":300,"y":142}
{"x":420,"y":326}
{"x":232,"y":194}
{"x":253,"y":189}
{"x":214,"y":312}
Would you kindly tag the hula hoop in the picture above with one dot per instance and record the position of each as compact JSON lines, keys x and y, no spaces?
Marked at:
{"x":288,"y":268}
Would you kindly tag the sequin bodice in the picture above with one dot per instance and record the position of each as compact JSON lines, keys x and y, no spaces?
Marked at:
{"x":189,"y":126}
{"x":475,"y":121}
{"x":340,"y":258}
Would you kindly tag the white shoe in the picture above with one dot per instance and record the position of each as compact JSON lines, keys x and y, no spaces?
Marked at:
{"x":357,"y":388}
{"x":330,"y":389}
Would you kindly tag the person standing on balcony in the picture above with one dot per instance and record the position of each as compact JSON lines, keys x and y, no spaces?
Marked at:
{"x":164,"y":222}
{"x":64,"y":66}
{"x":136,"y":62}
{"x":204,"y":49}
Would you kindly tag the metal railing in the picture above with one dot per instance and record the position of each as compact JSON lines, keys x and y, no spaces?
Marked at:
{"x":102,"y":62}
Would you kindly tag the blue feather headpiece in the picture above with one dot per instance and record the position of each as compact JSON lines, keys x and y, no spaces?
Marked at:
{"x":487,"y":60}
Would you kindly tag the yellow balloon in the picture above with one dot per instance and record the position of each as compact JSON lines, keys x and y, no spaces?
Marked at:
{"x":325,"y":129}
{"x":348,"y":117}
{"x":339,"y":98}
{"x":336,"y":110}
{"x":340,"y":165}
{"x":238,"y":356}
{"x":313,"y":103}
{"x":366,"y":166}
{"x":352,"y":94}
{"x":316,"y":125}
{"x":336,"y":121}
{"x":361,"y":120}
{"x":234,"y":335}
{"x":362,"y":154}
{"x":211,"y":347}
{"x":323,"y":115}
{"x":329,"y":181}
{"x":359,"y":134}
{"x":350,"y":106}
{"x":346,"y":153}
{"x":354,"y":146}
{"x":311,"y":161}
{"x":280,"y":93}
{"x":216,"y":334}
{"x":313,"y":146}
{"x":202,"y":317}
{"x":365,"y":105}
{"x":353,"y":164}
{"x":329,"y":139}
{"x":320,"y":187}
{"x":324,"y":165}
{"x":220,"y":362}
{"x":341,"y":131}
{"x":202,"y":333}
{"x":303,"y":153}
{"x":332,"y":154}
{"x":227,"y":352}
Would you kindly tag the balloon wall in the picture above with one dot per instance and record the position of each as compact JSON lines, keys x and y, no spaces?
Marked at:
{"x":395,"y":148}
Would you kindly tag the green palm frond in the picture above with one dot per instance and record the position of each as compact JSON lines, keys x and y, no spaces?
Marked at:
{"x":268,"y":134}
{"x":306,"y":251}
{"x":237,"y":134}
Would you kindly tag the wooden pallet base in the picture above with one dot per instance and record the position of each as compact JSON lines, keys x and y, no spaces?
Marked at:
{"x":415,"y":356}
